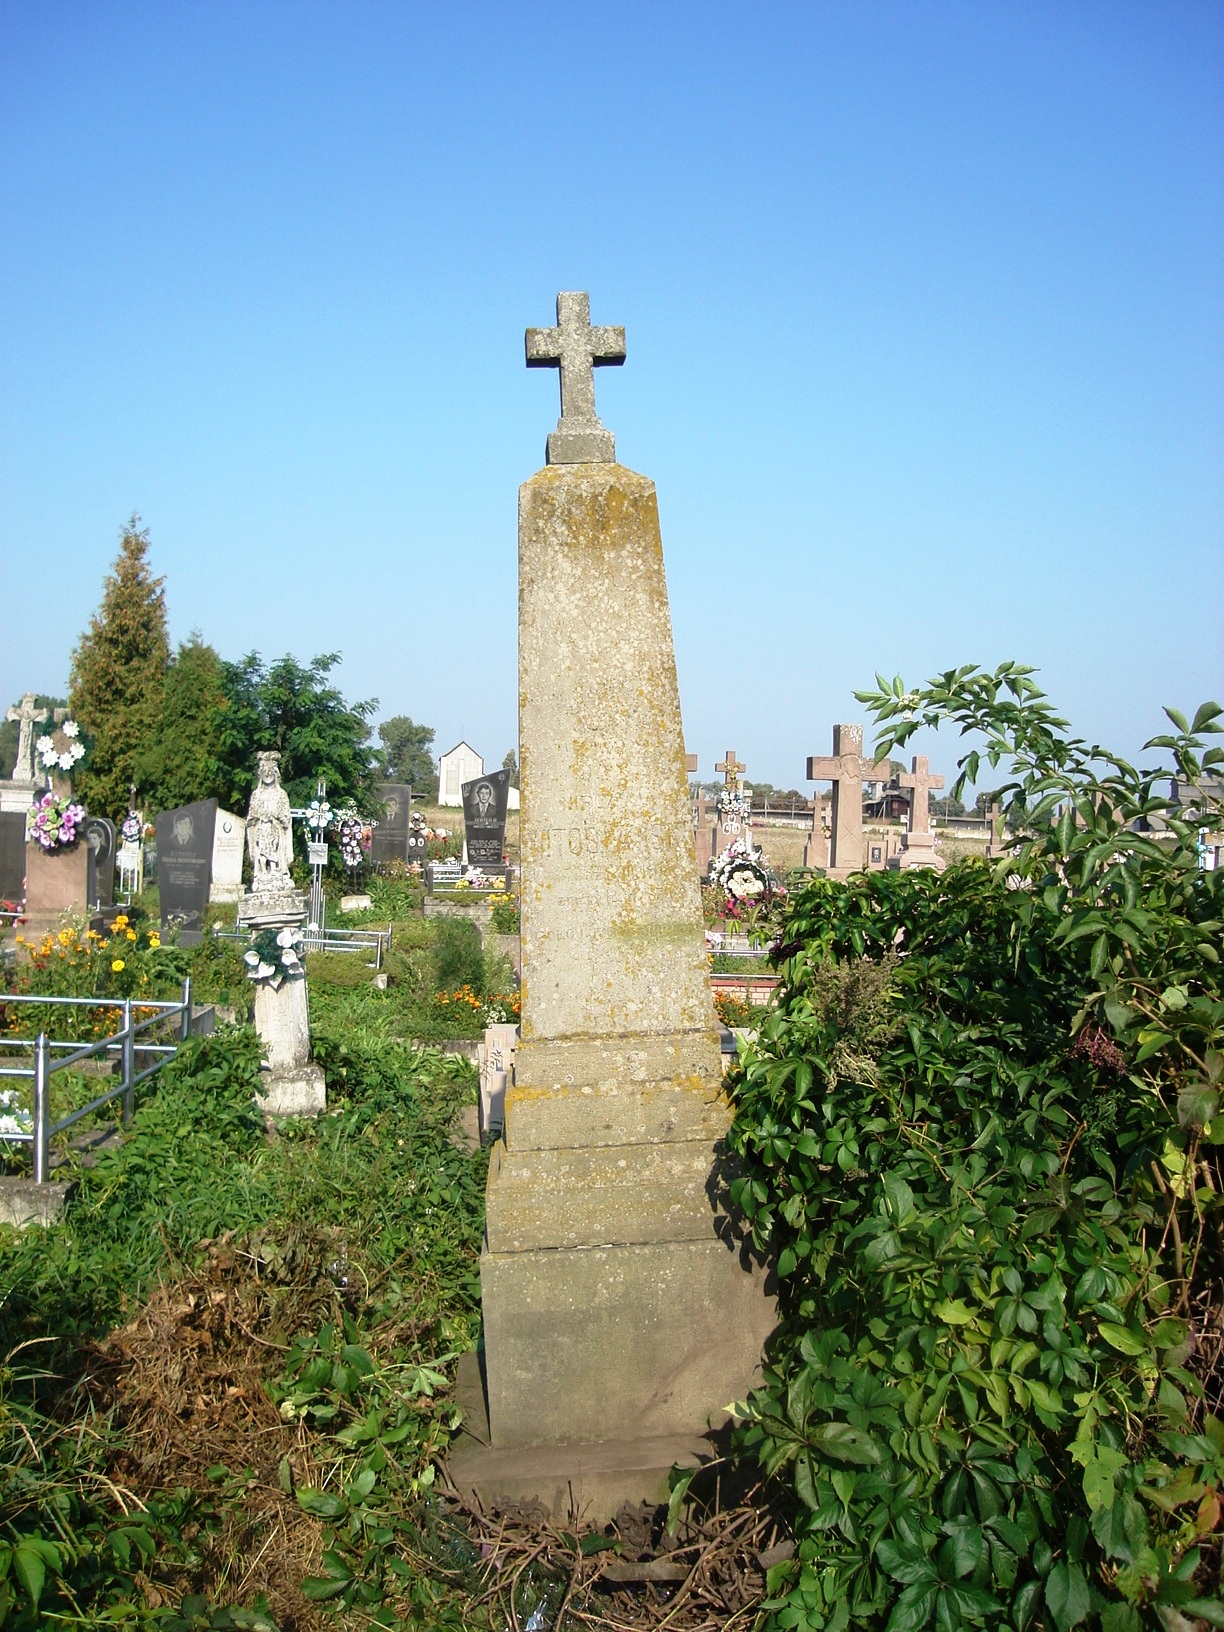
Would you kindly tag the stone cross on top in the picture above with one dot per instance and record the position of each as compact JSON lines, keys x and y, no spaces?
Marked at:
{"x":921,"y":782}
{"x":577,"y":350}
{"x":847,"y":770}
{"x":730,"y":767}
{"x":27,"y":717}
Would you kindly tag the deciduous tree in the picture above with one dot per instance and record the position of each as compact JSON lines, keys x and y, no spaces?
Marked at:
{"x":407,"y":755}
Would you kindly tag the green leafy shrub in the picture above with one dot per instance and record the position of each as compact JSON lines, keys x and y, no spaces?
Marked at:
{"x":458,"y":958}
{"x":982,"y":1133}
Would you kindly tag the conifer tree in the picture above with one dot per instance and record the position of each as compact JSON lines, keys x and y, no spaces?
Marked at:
{"x":118,"y":675}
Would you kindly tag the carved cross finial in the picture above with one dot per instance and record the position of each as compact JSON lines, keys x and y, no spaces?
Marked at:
{"x":576,"y":349}
{"x":921,"y":781}
{"x":730,"y":767}
{"x":27,"y":717}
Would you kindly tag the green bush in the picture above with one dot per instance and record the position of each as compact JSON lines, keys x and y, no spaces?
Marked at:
{"x":458,"y":958}
{"x":982,"y":1133}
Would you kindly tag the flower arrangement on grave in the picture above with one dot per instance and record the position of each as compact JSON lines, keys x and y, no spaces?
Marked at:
{"x":274,"y":956}
{"x":741,"y":872}
{"x":354,"y":833}
{"x":735,"y":805}
{"x":53,"y":758}
{"x":132,"y":827}
{"x":53,"y":822}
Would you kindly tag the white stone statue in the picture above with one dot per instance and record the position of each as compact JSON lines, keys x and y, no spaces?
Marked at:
{"x":269,"y":831}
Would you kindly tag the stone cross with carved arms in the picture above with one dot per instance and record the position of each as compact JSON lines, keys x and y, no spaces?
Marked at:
{"x":919,"y":779}
{"x":847,"y":770}
{"x":576,"y":349}
{"x":918,"y":844}
{"x":27,"y":717}
{"x":730,"y":768}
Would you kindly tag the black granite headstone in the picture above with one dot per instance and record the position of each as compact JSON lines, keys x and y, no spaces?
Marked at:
{"x":12,"y":855}
{"x":184,"y":868}
{"x":389,"y":841}
{"x":484,"y":818}
{"x":100,"y":837}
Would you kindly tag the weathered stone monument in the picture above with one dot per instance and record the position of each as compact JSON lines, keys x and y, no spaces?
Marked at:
{"x":18,"y":791}
{"x":847,"y":770}
{"x":816,"y":844}
{"x":918,"y":843}
{"x":622,"y":1312}
{"x":27,"y":717}
{"x":292,"y":1084}
{"x":229,"y":842}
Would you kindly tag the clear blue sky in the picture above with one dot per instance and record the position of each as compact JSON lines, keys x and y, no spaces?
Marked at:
{"x":925,"y":316}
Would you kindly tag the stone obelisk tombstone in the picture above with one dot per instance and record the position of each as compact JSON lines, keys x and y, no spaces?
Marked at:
{"x":622,"y":1312}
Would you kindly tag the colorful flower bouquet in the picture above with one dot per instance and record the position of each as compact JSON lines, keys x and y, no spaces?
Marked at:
{"x":54,"y":823}
{"x":274,"y":956}
{"x":132,"y":827}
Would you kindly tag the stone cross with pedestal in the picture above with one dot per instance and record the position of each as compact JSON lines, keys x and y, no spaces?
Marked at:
{"x":27,"y":717}
{"x":847,"y":770}
{"x":918,"y":842}
{"x":622,"y":1312}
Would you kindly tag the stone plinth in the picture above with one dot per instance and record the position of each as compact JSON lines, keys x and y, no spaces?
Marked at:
{"x":619,"y":1305}
{"x":57,"y":889}
{"x":292,"y":1085}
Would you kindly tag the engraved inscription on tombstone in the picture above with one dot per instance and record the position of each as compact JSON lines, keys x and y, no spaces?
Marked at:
{"x":484,"y":818}
{"x":184,"y":868}
{"x":389,"y":841}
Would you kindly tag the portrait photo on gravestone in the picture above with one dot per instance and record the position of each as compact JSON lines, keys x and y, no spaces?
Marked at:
{"x":485,"y":802}
{"x":184,"y":868}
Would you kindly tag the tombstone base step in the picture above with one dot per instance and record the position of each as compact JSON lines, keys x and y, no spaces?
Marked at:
{"x":576,"y":1484}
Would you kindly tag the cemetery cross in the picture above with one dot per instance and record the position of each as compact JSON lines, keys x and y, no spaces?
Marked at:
{"x":921,"y":782}
{"x":847,"y":770}
{"x":576,"y":350}
{"x":27,"y":717}
{"x":316,"y":854}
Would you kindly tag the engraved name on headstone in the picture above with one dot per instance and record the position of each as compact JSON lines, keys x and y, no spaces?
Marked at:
{"x":484,"y":818}
{"x":184,"y":868}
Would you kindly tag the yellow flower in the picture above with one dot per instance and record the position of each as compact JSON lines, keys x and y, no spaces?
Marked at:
{"x":117,"y":964}
{"x":154,"y":938}
{"x":131,"y":934}
{"x":65,"y":937}
{"x":121,"y":921}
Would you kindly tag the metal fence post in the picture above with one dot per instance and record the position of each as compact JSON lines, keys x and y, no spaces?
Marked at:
{"x":186,"y":1029}
{"x":42,"y":1055}
{"x":129,"y":1064}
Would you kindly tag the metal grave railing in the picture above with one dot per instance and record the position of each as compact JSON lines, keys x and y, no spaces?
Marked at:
{"x":50,"y":1056}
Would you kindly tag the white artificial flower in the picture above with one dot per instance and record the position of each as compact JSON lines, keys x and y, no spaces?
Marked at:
{"x":286,"y":937}
{"x":77,"y":750}
{"x":65,"y":762}
{"x":251,"y":958}
{"x":70,"y":728}
{"x":264,"y":972}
